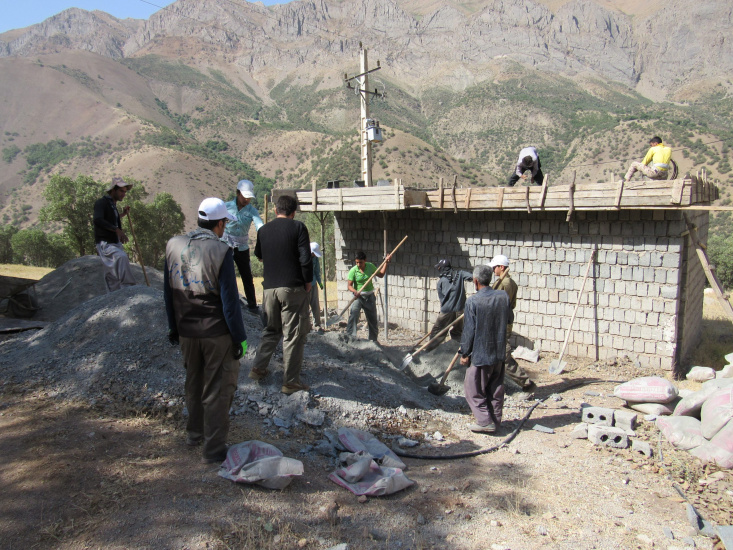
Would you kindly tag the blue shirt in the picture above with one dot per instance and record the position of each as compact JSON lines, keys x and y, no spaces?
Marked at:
{"x":236,"y":234}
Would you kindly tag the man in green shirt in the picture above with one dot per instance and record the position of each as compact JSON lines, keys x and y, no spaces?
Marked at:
{"x":364,"y":295}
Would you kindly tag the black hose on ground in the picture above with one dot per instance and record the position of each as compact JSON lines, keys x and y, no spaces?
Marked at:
{"x":504,"y":443}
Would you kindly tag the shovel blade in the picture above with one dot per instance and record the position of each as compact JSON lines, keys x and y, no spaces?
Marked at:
{"x":333,"y":320}
{"x":556,"y":367}
{"x":438,"y":389}
{"x":406,"y":361}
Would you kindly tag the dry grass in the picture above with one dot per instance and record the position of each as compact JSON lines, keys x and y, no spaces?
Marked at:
{"x":24,"y":271}
{"x":330,"y":290}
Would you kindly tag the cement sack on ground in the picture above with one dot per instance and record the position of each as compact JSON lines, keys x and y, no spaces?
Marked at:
{"x":261,"y":464}
{"x":356,"y":440}
{"x":719,"y":449}
{"x":366,"y":477}
{"x":684,"y":432}
{"x":649,"y":389}
{"x":657,"y":409}
{"x":701,"y":374}
{"x":527,"y":354}
{"x":725,"y":372}
{"x":716,"y":412}
{"x":692,"y":404}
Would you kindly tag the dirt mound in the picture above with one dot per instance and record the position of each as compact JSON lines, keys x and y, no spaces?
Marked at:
{"x":77,"y":281}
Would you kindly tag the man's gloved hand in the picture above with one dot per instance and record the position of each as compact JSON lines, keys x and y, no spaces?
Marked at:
{"x":240,"y":350}
{"x":173,"y":337}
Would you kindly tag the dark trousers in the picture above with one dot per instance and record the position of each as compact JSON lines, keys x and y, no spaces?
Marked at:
{"x":483,"y":388}
{"x":512,"y":369}
{"x":241,"y":259}
{"x":211,"y":380}
{"x":537,"y":179}
{"x":443,"y":320}
{"x":369,"y":304}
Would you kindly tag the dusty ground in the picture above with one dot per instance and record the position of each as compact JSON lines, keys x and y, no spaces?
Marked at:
{"x":91,"y":441}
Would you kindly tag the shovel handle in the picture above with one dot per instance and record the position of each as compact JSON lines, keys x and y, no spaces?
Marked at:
{"x":441,"y":333}
{"x":450,"y":368}
{"x":580,"y":295}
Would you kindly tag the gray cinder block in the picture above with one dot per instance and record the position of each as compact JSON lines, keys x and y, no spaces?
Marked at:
{"x":641,"y":447}
{"x":624,"y":419}
{"x":598,"y":415}
{"x":608,"y":436}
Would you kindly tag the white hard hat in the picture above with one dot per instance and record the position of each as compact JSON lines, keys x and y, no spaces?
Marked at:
{"x":247,"y":188}
{"x":316,"y":249}
{"x":499,"y":259}
{"x":214,"y":209}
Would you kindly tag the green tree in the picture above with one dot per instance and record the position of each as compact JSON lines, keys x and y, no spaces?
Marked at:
{"x":313,"y":224}
{"x":71,"y":202}
{"x":6,"y":247}
{"x":36,"y":248}
{"x":720,"y":249}
{"x":155,"y":223}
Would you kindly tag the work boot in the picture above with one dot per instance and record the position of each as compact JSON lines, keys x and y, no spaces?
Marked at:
{"x":218,"y":458}
{"x":194,"y":441}
{"x":483,"y":428}
{"x":288,"y":389}
{"x":527,"y":391}
{"x":257,"y":374}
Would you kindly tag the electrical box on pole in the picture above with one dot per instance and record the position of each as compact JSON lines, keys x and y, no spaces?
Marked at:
{"x":369,"y":129}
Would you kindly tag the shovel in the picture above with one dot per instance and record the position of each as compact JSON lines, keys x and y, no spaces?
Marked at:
{"x":336,"y":318}
{"x":558,"y":365}
{"x":441,"y":388}
{"x":410,"y":356}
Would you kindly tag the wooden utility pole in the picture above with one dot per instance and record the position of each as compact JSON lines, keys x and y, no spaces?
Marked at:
{"x":366,"y":145}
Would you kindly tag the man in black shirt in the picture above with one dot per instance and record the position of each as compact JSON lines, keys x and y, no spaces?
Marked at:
{"x":109,"y":236}
{"x":283,"y":246}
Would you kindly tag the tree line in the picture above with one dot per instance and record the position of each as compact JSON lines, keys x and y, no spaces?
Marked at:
{"x":70,"y":208}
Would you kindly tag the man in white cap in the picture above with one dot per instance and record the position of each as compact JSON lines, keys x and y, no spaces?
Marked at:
{"x":500,"y":265}
{"x":316,"y":284}
{"x":109,"y":236}
{"x":236,"y":235}
{"x":204,"y":316}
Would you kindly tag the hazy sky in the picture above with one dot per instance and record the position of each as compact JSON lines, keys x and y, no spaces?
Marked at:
{"x":17,"y":14}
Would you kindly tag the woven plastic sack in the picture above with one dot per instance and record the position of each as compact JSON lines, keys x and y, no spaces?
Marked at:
{"x":684,"y":432}
{"x":261,"y":464}
{"x":701,"y":374}
{"x":657,"y":409}
{"x":691,"y":405}
{"x":366,"y":477}
{"x":719,"y":449}
{"x":716,"y":412}
{"x":649,"y":389}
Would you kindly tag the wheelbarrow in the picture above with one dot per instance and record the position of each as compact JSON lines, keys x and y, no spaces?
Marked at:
{"x":18,"y":297}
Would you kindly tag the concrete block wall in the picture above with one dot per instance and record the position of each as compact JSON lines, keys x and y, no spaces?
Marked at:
{"x":633,"y":297}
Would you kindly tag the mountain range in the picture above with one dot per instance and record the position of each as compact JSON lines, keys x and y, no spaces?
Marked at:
{"x":206,"y":91}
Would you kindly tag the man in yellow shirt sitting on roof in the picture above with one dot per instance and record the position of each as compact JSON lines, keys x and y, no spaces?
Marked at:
{"x":656,"y":162}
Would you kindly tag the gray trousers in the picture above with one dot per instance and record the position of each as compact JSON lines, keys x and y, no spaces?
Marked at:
{"x":286,"y":309}
{"x":117,"y":271}
{"x":211,"y":380}
{"x":649,"y":171}
{"x":483,"y":388}
{"x":369,"y":305}
{"x":315,"y":305}
{"x":443,"y":320}
{"x":512,"y":369}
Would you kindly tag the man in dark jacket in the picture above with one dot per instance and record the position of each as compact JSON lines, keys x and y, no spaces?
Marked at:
{"x":109,"y":236}
{"x":483,"y":344}
{"x":283,"y":246}
{"x":452,"y":295}
{"x":202,"y":305}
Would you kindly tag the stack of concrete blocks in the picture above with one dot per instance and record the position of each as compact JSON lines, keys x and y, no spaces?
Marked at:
{"x":643,"y":298}
{"x":610,"y":428}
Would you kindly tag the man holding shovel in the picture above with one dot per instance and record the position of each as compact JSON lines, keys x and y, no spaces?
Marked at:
{"x":109,"y":236}
{"x":452,"y":294}
{"x":487,"y":315}
{"x":364,"y":294}
{"x":500,"y":265}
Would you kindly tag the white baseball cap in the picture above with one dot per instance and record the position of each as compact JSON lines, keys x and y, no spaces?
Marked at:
{"x":247,"y":188}
{"x":214,"y":209}
{"x":316,"y":249}
{"x":118,"y":182}
{"x":499,"y":259}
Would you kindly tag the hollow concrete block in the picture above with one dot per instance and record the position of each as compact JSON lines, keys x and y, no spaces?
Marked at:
{"x":608,"y":436}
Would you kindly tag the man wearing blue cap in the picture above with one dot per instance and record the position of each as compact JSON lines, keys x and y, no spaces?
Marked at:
{"x":236,"y":235}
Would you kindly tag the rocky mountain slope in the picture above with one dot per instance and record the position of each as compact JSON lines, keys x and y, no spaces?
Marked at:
{"x":205,"y":92}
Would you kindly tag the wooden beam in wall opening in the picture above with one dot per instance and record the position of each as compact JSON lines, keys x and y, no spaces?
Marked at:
{"x":619,"y":193}
{"x":571,"y":198}
{"x":544,"y":192}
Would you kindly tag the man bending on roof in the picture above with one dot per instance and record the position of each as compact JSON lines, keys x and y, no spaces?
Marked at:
{"x":529,"y":159}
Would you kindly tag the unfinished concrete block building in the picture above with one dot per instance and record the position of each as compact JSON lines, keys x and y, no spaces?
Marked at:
{"x":644,"y":294}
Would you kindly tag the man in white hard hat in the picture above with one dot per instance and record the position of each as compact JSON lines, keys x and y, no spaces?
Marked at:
{"x":500,"y":265}
{"x":109,"y":236}
{"x":236,"y":235}
{"x":316,"y":284}
{"x":204,"y":316}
